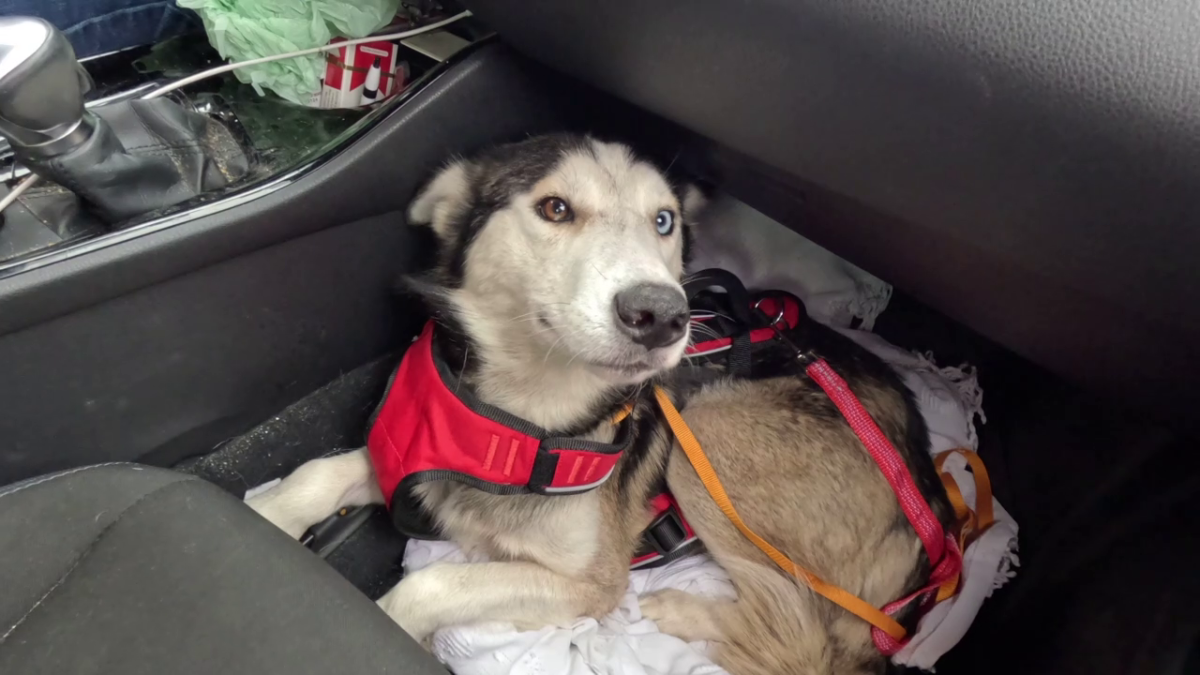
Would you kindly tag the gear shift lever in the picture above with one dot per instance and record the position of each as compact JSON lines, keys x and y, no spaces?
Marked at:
{"x":41,"y":90}
{"x":122,"y":160}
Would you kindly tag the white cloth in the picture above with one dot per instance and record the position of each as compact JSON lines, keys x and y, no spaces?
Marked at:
{"x":622,"y":643}
{"x":767,"y":255}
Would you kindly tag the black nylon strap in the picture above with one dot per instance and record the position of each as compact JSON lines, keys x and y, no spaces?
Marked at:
{"x":739,"y":361}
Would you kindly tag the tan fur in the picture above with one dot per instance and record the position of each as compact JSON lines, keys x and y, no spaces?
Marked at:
{"x":800,"y":480}
{"x":806,"y":485}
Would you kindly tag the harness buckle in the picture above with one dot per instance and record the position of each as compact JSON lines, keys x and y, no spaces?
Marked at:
{"x":667,"y":532}
{"x":667,"y":538}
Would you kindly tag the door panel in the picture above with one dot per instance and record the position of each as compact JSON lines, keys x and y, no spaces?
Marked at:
{"x":184,"y":364}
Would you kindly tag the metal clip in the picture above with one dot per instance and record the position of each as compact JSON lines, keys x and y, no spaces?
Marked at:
{"x":774,"y":323}
{"x":804,"y":356}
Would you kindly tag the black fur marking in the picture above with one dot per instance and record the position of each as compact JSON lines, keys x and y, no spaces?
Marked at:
{"x":689,"y":243}
{"x":650,"y":428}
{"x":496,"y":176}
{"x":605,"y":410}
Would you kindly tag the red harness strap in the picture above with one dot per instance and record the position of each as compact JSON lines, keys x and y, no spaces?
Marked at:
{"x":430,"y":428}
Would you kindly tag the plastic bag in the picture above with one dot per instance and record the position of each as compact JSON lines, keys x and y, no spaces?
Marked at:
{"x":248,"y":29}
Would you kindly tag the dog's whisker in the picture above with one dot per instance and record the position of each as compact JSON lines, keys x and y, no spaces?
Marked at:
{"x":572,"y":359}
{"x":524,"y":317}
{"x":462,"y":371}
{"x":546,"y":359}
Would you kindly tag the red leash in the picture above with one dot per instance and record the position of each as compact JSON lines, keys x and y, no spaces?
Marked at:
{"x":942,"y":549}
{"x":928,"y":528}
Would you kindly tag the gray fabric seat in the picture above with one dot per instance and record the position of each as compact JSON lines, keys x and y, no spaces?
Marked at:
{"x":128,"y":569}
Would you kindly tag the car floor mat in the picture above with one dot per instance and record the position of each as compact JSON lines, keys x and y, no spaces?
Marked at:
{"x":329,"y":420}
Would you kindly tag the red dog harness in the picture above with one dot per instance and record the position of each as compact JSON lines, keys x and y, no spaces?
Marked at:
{"x":425,"y":431}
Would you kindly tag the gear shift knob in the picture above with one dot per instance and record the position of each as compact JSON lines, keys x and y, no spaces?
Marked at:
{"x":42,"y":87}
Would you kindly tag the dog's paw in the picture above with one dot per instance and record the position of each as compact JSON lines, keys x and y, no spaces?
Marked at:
{"x":409,"y":604}
{"x":681,"y":614}
{"x":267,"y":506}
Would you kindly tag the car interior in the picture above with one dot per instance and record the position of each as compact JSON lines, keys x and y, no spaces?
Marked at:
{"x":185,"y":323}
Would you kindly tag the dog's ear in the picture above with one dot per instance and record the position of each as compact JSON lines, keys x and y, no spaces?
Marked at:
{"x":694,"y":201}
{"x":691,"y":203}
{"x":443,"y":201}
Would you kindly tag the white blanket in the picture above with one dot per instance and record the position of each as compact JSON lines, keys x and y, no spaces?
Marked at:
{"x":622,"y":643}
{"x":767,"y":255}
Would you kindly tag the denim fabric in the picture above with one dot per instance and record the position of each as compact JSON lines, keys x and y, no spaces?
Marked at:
{"x":100,"y":26}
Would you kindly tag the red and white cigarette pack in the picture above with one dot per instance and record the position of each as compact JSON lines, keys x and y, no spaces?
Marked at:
{"x":358,"y":75}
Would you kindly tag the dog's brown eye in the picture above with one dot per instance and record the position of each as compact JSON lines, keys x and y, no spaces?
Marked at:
{"x":555,"y":210}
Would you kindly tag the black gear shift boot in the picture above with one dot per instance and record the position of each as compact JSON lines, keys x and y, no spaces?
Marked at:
{"x":145,"y":155}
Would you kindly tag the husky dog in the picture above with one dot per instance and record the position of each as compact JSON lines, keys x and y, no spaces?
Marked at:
{"x":557,"y":293}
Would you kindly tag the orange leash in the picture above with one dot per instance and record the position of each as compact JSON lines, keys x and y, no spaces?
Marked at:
{"x":839,"y":596}
{"x":983,"y":516}
{"x":970,"y":523}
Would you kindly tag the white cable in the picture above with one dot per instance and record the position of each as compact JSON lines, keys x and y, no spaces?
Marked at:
{"x":17,"y":191}
{"x":24,"y":185}
{"x":166,"y":89}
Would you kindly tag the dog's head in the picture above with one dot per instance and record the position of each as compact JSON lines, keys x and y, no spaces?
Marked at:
{"x":570,"y":247}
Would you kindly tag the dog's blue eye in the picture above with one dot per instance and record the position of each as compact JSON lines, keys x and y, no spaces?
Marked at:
{"x":665,"y":222}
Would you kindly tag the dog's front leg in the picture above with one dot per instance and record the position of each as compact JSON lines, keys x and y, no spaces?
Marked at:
{"x":317,"y":489}
{"x":522,"y":593}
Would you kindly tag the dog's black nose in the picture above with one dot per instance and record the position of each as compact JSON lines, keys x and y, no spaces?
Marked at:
{"x":654,"y":315}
